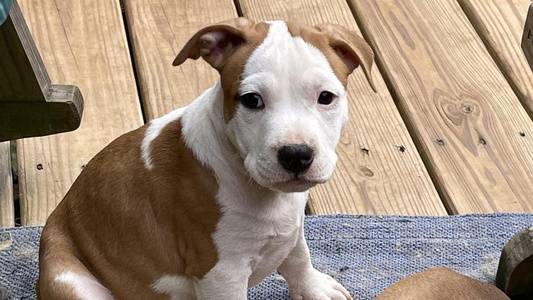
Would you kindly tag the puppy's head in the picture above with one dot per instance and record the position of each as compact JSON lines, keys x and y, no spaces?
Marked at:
{"x":284,"y":90}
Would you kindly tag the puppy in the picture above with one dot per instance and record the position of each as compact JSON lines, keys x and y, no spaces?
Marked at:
{"x":208,"y":200}
{"x":441,"y":284}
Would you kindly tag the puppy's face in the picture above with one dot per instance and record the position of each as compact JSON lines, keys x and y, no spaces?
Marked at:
{"x":284,"y":96}
{"x":291,"y":108}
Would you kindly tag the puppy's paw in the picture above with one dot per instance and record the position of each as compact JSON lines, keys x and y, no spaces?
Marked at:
{"x":318,"y":286}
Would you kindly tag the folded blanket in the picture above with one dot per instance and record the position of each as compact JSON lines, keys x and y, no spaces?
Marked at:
{"x":365,"y":253}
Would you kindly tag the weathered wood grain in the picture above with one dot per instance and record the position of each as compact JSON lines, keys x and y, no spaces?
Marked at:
{"x":7,"y":211}
{"x":500,"y":24}
{"x":82,"y":43}
{"x":158,"y":30}
{"x":476,"y":137}
{"x":379,"y":169}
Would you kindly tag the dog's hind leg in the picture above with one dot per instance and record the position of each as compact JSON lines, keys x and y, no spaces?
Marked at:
{"x":63,"y":277}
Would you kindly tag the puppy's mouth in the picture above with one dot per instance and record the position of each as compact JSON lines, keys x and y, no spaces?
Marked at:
{"x":270,"y":175}
{"x":299,"y":183}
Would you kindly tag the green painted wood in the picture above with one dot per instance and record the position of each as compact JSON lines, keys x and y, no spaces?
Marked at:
{"x":29,"y":104}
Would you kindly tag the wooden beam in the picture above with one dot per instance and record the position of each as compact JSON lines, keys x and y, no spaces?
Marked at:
{"x":7,"y":212}
{"x":83,"y":43}
{"x":20,"y":119}
{"x":514,"y":275}
{"x":21,"y":65}
{"x":29,"y":104}
{"x":475,"y":135}
{"x":379,"y":169}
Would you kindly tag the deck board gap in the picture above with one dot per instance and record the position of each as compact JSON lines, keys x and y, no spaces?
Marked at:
{"x":238,"y":8}
{"x":129,"y":40}
{"x":6,"y":187}
{"x":16,"y":194}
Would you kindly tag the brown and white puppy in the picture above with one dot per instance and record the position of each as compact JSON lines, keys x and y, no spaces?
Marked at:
{"x":206,"y":201}
{"x":441,"y":284}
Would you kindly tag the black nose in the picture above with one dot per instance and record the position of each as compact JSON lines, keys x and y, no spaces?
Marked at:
{"x":295,"y":158}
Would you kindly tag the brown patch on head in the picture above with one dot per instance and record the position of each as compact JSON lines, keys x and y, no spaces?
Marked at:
{"x":226,"y":46}
{"x":343,"y":49}
{"x":231,"y":71}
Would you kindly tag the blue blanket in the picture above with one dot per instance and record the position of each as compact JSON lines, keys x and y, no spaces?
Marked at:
{"x":365,"y":253}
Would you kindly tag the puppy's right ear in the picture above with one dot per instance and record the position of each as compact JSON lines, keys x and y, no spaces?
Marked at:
{"x":215,"y":43}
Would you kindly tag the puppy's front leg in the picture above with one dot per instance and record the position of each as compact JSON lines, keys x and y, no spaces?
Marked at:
{"x":227,"y":280}
{"x":305,"y":282}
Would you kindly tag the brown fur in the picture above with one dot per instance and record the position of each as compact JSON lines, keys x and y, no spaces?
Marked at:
{"x":243,"y":36}
{"x":231,"y":71}
{"x":343,"y":49}
{"x":127,"y":226}
{"x":441,"y":284}
{"x":130,"y":226}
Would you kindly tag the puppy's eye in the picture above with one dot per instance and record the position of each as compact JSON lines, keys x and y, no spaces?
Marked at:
{"x":326,"y":98}
{"x":251,"y":100}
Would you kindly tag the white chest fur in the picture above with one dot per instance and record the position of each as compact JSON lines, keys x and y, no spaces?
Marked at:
{"x":261,"y":235}
{"x":258,"y":227}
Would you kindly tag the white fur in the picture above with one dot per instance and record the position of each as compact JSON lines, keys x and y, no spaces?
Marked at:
{"x":261,"y":227}
{"x":85,"y":288}
{"x":289,"y":74}
{"x":154,"y":130}
{"x":178,"y":287}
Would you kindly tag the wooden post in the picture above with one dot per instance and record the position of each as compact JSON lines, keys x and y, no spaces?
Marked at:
{"x":515,"y":270}
{"x":30,"y":105}
{"x":527,"y":37}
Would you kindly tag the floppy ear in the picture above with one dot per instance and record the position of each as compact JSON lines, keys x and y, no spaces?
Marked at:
{"x":351,"y":48}
{"x":215,"y":43}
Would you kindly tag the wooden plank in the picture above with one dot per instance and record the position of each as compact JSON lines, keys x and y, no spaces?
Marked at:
{"x":379,"y":170}
{"x":21,"y":119}
{"x":475,"y":135}
{"x":82,"y":43}
{"x":500,"y":24}
{"x":158,"y":29}
{"x":7,"y":211}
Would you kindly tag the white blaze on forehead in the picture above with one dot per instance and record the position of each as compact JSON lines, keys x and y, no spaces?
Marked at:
{"x":287,"y":58}
{"x":84,"y":287}
{"x":289,"y":73}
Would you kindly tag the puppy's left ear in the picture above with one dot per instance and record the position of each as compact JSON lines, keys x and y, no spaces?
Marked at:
{"x":215,"y":43}
{"x":351,"y":48}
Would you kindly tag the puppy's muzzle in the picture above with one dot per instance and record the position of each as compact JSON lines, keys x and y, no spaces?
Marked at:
{"x":296,"y":158}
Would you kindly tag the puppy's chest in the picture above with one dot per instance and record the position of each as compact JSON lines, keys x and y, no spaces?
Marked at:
{"x":270,"y":253}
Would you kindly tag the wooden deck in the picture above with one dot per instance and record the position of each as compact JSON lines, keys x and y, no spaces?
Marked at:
{"x":449,"y":132}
